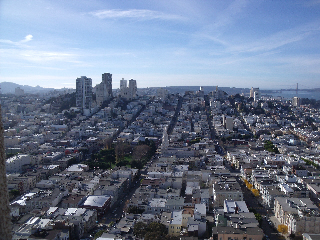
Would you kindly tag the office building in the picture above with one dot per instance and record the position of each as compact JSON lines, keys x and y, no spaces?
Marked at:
{"x":84,"y":94}
{"x":104,"y":89}
{"x":255,"y":94}
{"x":296,"y":101}
{"x":123,"y":84}
{"x":133,"y":88}
{"x":128,"y":92}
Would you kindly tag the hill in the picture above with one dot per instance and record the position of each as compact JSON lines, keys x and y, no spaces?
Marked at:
{"x":9,"y":87}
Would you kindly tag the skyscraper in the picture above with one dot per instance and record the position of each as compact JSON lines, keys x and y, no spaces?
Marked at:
{"x":296,"y":101}
{"x":132,"y":88}
{"x":84,"y":94}
{"x":255,"y":93}
{"x":129,"y":92}
{"x":104,"y":89}
{"x":123,"y":84}
{"x":5,"y":219}
{"x":107,"y":81}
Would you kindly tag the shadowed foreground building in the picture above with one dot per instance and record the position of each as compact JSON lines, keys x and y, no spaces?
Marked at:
{"x":5,"y":219}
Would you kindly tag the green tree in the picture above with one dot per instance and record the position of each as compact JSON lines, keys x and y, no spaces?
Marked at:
{"x":14,"y":192}
{"x":153,"y":236}
{"x":157,"y":227}
{"x":258,"y":217}
{"x":140,"y":229}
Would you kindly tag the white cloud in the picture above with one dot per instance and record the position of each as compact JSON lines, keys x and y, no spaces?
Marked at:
{"x":38,"y":56}
{"x":142,"y":14}
{"x":41,"y":56}
{"x":27,"y":38}
{"x":279,"y":39}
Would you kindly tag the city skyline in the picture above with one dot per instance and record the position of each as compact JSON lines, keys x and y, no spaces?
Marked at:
{"x":270,"y":45}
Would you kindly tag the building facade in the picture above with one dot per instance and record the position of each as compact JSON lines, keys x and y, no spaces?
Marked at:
{"x":104,"y":89}
{"x":255,"y":93}
{"x":84,"y":94}
{"x":128,"y":92}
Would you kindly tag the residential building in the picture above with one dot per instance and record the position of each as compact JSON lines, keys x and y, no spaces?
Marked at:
{"x":84,"y":94}
{"x":255,"y":93}
{"x":104,"y":89}
{"x":226,"y":190}
{"x":296,"y":101}
{"x":128,"y":92}
{"x":298,"y":214}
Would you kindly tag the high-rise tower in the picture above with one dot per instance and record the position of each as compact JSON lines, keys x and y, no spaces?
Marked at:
{"x":255,"y":93}
{"x":128,"y":92}
{"x":133,"y":88}
{"x":5,"y":219}
{"x":104,"y":89}
{"x":84,"y":94}
{"x":107,"y":81}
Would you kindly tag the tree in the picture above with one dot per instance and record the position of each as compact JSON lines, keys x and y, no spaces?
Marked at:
{"x":258,"y":217}
{"x":121,"y":150}
{"x":157,"y":227}
{"x":140,"y":152}
{"x":152,"y":231}
{"x":282,"y":229}
{"x":255,"y":192}
{"x":153,"y":236}
{"x":140,"y":229}
{"x":14,"y":193}
{"x":108,"y":143}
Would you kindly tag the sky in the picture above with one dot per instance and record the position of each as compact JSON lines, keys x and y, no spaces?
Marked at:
{"x":242,"y":43}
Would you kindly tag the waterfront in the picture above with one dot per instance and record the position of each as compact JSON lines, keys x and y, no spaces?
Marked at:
{"x":291,"y":94}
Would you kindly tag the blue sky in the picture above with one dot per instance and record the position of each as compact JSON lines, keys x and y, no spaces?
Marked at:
{"x":266,"y":44}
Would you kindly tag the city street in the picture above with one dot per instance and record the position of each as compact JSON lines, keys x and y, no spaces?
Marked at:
{"x":268,"y":226}
{"x":116,"y":213}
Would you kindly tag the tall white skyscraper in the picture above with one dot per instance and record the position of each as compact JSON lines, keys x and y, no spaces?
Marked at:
{"x":104,"y":89}
{"x":84,"y":94}
{"x":128,"y":92}
{"x":123,"y":84}
{"x":255,"y":93}
{"x":296,"y":102}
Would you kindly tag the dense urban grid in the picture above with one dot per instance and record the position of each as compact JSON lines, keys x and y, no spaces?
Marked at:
{"x":129,"y":163}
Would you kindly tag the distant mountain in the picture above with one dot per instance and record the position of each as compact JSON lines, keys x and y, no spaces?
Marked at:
{"x":9,"y":87}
